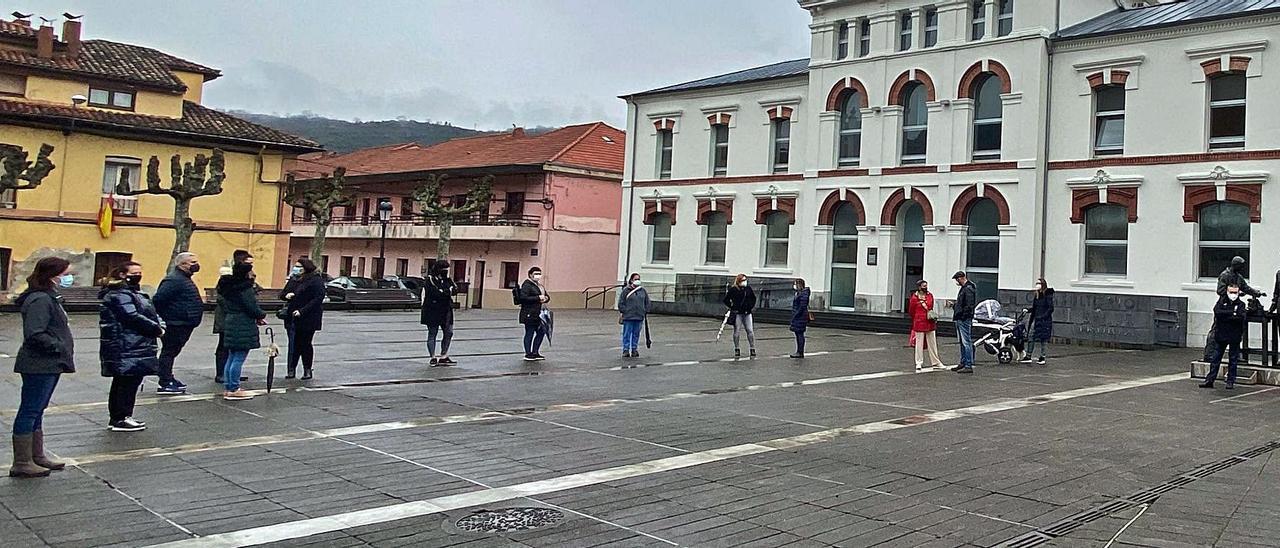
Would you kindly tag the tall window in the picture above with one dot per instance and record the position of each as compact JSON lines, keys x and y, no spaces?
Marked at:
{"x":978,"y":19}
{"x":664,"y":154}
{"x":344,"y":265}
{"x":984,"y":248}
{"x":864,"y":38}
{"x":904,"y":31}
{"x":842,"y":40}
{"x":777,"y":232}
{"x":717,"y":237}
{"x":402,"y":267}
{"x":126,"y":170}
{"x":1004,"y":23}
{"x":781,"y":145}
{"x":930,"y":27}
{"x":844,"y":256}
{"x":514,"y":204}
{"x":987,"y":118}
{"x":1224,"y":233}
{"x":719,"y":149}
{"x":660,"y":241}
{"x":1108,"y":115}
{"x":8,"y":199}
{"x":915,"y":123}
{"x":1106,"y":240}
{"x":850,"y":151}
{"x":1226,"y":110}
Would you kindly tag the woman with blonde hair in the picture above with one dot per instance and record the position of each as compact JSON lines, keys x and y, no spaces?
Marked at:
{"x":741,"y":300}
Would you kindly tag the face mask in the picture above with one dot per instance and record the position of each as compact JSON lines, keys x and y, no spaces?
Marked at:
{"x":296,"y":271}
{"x":635,"y":283}
{"x":193,"y":268}
{"x":537,"y":277}
{"x":1039,"y":287}
{"x":796,"y":287}
{"x":743,"y":283}
{"x":133,"y":279}
{"x":1233,"y":296}
{"x":66,"y":280}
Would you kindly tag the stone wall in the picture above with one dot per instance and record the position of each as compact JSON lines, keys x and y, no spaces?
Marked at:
{"x":1119,"y":320}
{"x":81,"y":265}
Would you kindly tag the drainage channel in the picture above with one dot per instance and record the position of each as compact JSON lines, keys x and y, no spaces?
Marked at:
{"x":1066,"y":525}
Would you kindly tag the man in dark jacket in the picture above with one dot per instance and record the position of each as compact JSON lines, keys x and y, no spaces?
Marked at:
{"x":962,"y":316}
{"x":533,"y":298}
{"x":1232,"y":275}
{"x":1230,"y":315}
{"x":178,"y":302}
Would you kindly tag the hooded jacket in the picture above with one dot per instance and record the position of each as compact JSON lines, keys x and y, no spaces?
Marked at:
{"x":1042,"y":316}
{"x":800,"y":311}
{"x":240,"y":311}
{"x":128,"y":326}
{"x":47,"y":346}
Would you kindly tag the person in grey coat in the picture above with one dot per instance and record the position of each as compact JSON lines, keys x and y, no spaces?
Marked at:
{"x":634,"y":305}
{"x":46,"y":353}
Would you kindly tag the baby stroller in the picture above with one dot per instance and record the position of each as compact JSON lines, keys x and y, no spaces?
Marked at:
{"x":1002,"y":336}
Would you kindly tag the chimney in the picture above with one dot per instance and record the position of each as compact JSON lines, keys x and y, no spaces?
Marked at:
{"x":517,"y":132}
{"x":44,"y":42}
{"x":22,"y":21}
{"x":71,"y":35}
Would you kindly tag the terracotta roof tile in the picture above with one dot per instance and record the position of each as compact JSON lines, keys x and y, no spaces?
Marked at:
{"x":136,"y":65}
{"x":20,"y":30}
{"x":197,"y":121}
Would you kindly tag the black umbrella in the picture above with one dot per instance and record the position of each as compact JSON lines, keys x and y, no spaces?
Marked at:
{"x":272,"y":352}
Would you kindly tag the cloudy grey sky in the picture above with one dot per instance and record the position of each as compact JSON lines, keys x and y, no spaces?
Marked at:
{"x":482,"y":63}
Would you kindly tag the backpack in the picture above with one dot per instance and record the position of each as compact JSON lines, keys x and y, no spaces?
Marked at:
{"x":515,"y":296}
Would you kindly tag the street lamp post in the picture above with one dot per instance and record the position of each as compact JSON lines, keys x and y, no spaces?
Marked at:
{"x":384,"y":217}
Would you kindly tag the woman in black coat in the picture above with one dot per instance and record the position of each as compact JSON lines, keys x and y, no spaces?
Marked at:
{"x":241,"y":318}
{"x":46,"y":353}
{"x":741,"y":301}
{"x":304,"y":310}
{"x":437,"y":311}
{"x":128,"y":327}
{"x":1041,"y":320}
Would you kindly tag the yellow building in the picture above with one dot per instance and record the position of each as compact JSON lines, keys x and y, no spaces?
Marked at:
{"x":107,"y":108}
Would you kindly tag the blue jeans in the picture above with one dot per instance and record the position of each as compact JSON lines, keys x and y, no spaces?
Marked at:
{"x":231,"y":371}
{"x":964,"y":330}
{"x":291,"y":355}
{"x":631,"y":334}
{"x":1215,"y":361}
{"x":37,"y":390}
{"x":1044,"y":347}
{"x":799,"y":341}
{"x":533,"y":334}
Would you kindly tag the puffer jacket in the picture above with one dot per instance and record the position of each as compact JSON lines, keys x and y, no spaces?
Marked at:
{"x":633,"y":303}
{"x":1042,"y":316}
{"x":47,"y":346}
{"x":800,"y":311}
{"x":128,"y":326}
{"x":240,"y":313}
{"x":178,"y":300}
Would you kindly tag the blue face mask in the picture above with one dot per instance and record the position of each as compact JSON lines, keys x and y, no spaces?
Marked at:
{"x":66,"y":280}
{"x":296,"y":271}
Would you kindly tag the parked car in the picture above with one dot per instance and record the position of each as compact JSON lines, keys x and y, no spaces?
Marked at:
{"x":336,"y":289}
{"x":411,"y":283}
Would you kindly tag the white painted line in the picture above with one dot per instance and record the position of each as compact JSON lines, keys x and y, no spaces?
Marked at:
{"x":74,"y":407}
{"x":315,"y":526}
{"x":1246,"y":394}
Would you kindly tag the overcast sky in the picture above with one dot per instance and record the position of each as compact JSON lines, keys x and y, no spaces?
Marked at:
{"x":482,"y":63}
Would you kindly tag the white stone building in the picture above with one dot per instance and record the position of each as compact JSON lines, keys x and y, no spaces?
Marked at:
{"x":1012,"y":139}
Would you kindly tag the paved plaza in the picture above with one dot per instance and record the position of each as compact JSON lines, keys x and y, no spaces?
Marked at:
{"x":683,"y":446}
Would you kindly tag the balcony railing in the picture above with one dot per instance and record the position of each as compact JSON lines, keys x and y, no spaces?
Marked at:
{"x":126,"y":206}
{"x":479,"y":219}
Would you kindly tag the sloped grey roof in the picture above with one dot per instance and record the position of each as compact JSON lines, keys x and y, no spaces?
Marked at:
{"x":1164,"y":15}
{"x":768,"y":72}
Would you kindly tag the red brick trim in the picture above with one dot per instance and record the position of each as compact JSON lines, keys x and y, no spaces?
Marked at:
{"x":764,"y":206}
{"x":722,"y":180}
{"x":1233,"y":156}
{"x":895,"y":92}
{"x":780,"y":113}
{"x":960,"y":210}
{"x":984,"y":166}
{"x":1213,"y":67}
{"x":651,"y":209}
{"x":827,"y":213}
{"x":723,"y":205}
{"x":719,"y":118}
{"x":838,"y":90}
{"x":1099,"y":79}
{"x":898,"y":199}
{"x":908,"y":170}
{"x":971,"y":77}
{"x":665,"y":123}
{"x":847,"y":172}
{"x":1197,"y":196}
{"x":1083,"y":199}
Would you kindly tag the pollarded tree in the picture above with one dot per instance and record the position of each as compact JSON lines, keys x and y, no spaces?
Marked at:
{"x":428,"y":197}
{"x":188,"y":181}
{"x":319,"y":197}
{"x":19,"y":173}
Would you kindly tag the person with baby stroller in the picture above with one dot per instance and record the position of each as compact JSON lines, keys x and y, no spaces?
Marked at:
{"x":1041,"y":312}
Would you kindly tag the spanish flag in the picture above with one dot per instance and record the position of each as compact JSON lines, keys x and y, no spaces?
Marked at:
{"x":106,"y":216}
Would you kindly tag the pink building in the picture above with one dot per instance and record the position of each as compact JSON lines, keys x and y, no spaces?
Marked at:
{"x":556,"y":205}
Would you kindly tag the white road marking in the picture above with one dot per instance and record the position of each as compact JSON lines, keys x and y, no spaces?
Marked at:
{"x":1246,"y":394}
{"x":73,"y":407}
{"x":315,"y":526}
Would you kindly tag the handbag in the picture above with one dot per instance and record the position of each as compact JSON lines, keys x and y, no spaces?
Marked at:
{"x":930,"y":314}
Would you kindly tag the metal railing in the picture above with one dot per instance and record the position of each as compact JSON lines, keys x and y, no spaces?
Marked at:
{"x":598,"y":291}
{"x":478,"y":219}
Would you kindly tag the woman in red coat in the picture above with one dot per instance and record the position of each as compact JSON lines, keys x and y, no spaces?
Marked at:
{"x":924,"y":321}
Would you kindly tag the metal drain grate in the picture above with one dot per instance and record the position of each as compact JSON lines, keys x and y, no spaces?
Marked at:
{"x":1146,"y":496}
{"x":509,"y":520}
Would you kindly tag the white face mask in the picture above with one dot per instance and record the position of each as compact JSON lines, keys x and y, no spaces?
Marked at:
{"x":743,"y":283}
{"x":1233,"y":296}
{"x":1039,"y":287}
{"x":636,"y":282}
{"x":537,"y":277}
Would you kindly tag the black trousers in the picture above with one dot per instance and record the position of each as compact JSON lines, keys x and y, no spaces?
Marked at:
{"x":174,"y":339}
{"x":302,"y":348}
{"x":124,"y":393}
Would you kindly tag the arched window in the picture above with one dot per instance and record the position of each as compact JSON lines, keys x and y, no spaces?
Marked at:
{"x":777,"y":238}
{"x":850,"y":150}
{"x":1226,"y":110}
{"x":717,"y":234}
{"x":660,"y":239}
{"x":1106,"y":240}
{"x":1224,"y":233}
{"x":915,"y":123}
{"x":844,"y":256}
{"x":987,"y":117}
{"x":983,"y":255}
